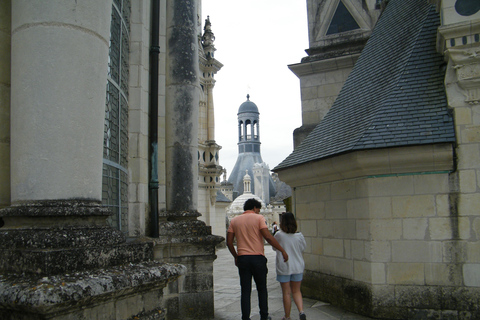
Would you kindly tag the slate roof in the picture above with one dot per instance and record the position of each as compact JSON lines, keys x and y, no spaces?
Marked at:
{"x":395,"y":94}
{"x":221,"y":197}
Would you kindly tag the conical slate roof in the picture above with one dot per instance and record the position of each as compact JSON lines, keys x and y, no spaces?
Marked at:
{"x":394,"y":95}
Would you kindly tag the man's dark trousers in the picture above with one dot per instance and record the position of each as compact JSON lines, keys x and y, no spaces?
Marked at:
{"x":256,"y":267}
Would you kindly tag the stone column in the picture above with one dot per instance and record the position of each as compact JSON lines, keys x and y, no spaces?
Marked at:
{"x":182,"y":103}
{"x":210,"y":112}
{"x":59,"y":256}
{"x":184,"y":239}
{"x":58,"y":99}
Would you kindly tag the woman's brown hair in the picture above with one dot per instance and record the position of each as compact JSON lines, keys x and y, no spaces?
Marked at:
{"x":288,"y":224}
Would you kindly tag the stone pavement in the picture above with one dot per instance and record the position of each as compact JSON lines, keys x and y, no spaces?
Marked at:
{"x":227,"y":294}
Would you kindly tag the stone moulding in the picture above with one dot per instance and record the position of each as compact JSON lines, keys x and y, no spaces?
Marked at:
{"x":60,"y":294}
{"x":375,"y":162}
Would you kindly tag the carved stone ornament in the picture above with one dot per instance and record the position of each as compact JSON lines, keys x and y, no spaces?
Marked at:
{"x":466,"y":63}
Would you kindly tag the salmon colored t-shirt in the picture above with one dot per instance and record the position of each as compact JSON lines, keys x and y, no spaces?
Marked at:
{"x":246,"y":228}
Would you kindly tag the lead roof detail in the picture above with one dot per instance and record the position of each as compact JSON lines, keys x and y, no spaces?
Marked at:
{"x":395,"y":94}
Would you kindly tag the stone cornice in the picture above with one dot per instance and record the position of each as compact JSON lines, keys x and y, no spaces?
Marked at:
{"x":314,"y":67}
{"x":360,"y":164}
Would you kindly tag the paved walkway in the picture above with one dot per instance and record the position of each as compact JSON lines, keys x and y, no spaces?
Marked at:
{"x":227,"y":294}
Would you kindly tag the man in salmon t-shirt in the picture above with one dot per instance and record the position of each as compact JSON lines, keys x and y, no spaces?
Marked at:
{"x":250,"y":228}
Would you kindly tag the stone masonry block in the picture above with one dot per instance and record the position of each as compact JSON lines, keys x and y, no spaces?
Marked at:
{"x":469,"y":205}
{"x":343,"y":190}
{"x":469,"y":156}
{"x":132,"y":192}
{"x":308,"y":228}
{"x":313,"y":194}
{"x":442,"y":205}
{"x":380,"y":207}
{"x":314,"y":210}
{"x":463,"y":115}
{"x":333,"y":247}
{"x":379,"y":251}
{"x":431,"y":183}
{"x":362,"y":271}
{"x":343,"y":268}
{"x":358,"y":249}
{"x":471,"y":134}
{"x":317,"y":246}
{"x":415,"y":228}
{"x":473,"y":251}
{"x":441,"y":274}
{"x":363,"y":229}
{"x":336,"y":209}
{"x":308,"y":248}
{"x":471,"y":274}
{"x":344,"y":229}
{"x":449,"y":228}
{"x":475,"y":114}
{"x":454,"y":251}
{"x":390,"y":186}
{"x":313,"y":262}
{"x":476,"y":228}
{"x":347,"y":248}
{"x":386,"y":229}
{"x":325,"y":228}
{"x":378,"y":273}
{"x":406,"y":273}
{"x":413,"y":206}
{"x":309,"y":93}
{"x":416,"y":251}
{"x":358,"y":209}
{"x":468,"y":181}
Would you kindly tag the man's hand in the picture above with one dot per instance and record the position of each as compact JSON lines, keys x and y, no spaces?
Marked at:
{"x":231,"y":248}
{"x":273,"y":242}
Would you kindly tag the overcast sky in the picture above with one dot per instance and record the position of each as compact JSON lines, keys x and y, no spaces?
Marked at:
{"x":256,"y":40}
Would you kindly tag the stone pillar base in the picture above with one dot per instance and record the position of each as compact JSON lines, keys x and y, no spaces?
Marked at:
{"x":60,"y":260}
{"x":188,"y":241}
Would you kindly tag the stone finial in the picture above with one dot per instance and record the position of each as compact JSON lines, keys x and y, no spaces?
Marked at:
{"x":208,"y":37}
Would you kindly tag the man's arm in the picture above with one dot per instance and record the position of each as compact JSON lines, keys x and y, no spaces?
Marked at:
{"x":230,"y":237}
{"x":273,"y":242}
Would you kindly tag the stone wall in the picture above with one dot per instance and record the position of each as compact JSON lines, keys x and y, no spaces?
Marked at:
{"x":374,"y":244}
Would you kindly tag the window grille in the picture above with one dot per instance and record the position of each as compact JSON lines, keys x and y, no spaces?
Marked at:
{"x":115,"y":140}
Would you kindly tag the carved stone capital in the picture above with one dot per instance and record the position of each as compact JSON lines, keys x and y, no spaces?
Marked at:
{"x":466,"y":63}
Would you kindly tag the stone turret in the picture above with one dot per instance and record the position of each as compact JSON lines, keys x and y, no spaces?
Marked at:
{"x":249,"y":151}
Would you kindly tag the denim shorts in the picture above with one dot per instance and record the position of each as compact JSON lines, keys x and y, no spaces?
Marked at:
{"x":290,"y":277}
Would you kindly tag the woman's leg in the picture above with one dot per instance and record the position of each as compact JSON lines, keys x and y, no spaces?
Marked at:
{"x":287,"y":298}
{"x":297,"y":294}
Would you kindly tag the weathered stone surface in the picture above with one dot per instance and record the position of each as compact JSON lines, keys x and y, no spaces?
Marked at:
{"x":393,"y":301}
{"x":57,"y":294}
{"x":45,"y":208}
{"x":50,"y":262}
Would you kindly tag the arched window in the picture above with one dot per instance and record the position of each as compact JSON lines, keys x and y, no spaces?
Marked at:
{"x":115,"y":141}
{"x":248,"y":130}
{"x":240,"y":130}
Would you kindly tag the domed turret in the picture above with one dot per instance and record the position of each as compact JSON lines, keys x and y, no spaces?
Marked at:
{"x":248,"y":149}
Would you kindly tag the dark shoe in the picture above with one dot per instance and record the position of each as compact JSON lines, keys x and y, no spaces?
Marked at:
{"x":303,"y":316}
{"x":267,"y":318}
